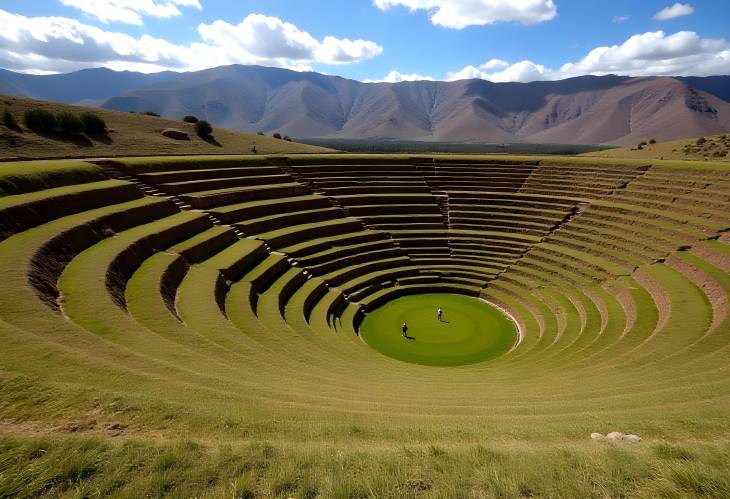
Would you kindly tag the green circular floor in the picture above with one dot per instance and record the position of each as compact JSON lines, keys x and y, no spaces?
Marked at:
{"x":471,"y":330}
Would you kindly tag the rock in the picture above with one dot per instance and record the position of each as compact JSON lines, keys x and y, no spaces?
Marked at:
{"x":174,"y":133}
{"x":615,"y":435}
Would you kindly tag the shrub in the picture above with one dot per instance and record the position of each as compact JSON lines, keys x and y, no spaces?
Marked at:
{"x":259,"y":133}
{"x":652,"y":141}
{"x":701,"y":141}
{"x":151,"y":113}
{"x":40,"y":120}
{"x":93,"y":123}
{"x":9,"y":120}
{"x":287,"y":138}
{"x":69,"y":123}
{"x":190,"y":119}
{"x":640,"y":147}
{"x":203,"y":128}
{"x":642,"y":143}
{"x":277,"y":135}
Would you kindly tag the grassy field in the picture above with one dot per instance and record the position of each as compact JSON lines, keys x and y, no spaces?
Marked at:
{"x":149,"y":350}
{"x":711,"y":148}
{"x":469,"y":331}
{"x":131,"y":134}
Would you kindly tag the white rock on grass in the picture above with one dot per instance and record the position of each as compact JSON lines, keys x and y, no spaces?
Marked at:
{"x":616,"y":436}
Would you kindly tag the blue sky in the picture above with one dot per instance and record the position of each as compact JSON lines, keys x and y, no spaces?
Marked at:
{"x":372,"y":39}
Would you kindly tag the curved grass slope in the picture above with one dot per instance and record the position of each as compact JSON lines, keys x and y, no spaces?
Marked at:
{"x":187,"y":327}
{"x":469,"y":331}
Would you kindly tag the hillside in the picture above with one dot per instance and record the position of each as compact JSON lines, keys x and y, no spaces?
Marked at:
{"x":711,"y":148}
{"x":231,"y":327}
{"x":130,"y":134}
{"x":587,"y":110}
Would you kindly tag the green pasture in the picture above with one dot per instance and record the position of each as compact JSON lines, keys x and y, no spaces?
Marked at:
{"x":470,"y":331}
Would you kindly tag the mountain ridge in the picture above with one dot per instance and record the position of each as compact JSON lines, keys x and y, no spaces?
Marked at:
{"x":617,"y":110}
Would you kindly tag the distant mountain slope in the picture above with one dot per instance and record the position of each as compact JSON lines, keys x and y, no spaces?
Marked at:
{"x":585,"y":110}
{"x":86,"y":85}
{"x":719,"y":86}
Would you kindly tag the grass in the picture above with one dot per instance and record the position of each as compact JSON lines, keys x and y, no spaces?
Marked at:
{"x":131,"y":134}
{"x":714,"y":148}
{"x":18,"y":178}
{"x":470,"y":330}
{"x":243,"y":394}
{"x":63,"y":467}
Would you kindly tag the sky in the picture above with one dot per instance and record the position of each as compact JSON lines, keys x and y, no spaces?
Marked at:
{"x":372,"y":40}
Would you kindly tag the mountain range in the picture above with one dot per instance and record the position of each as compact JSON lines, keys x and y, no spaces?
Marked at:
{"x":617,"y":110}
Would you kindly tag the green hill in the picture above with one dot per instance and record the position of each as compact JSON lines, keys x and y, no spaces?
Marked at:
{"x":130,"y":134}
{"x":711,"y":148}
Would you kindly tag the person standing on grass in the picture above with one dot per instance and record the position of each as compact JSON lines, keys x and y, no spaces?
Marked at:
{"x":404,"y":329}
{"x":439,"y":313}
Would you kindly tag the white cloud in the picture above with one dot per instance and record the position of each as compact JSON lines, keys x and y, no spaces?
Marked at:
{"x":269,"y":38}
{"x":676,"y":10}
{"x":655,"y":54}
{"x":521,"y":71}
{"x":459,"y":14}
{"x":59,"y":44}
{"x":683,"y":53}
{"x":397,"y":77}
{"x":344,"y":51}
{"x":620,"y":19}
{"x":468,"y":73}
{"x":494,"y":63}
{"x":130,"y":11}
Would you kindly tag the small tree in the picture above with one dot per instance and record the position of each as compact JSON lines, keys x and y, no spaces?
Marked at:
{"x":203,"y":128}
{"x":277,"y":135}
{"x":190,"y":119}
{"x":652,"y":141}
{"x":40,"y":120}
{"x":253,"y":149}
{"x":9,"y":120}
{"x":93,"y":123}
